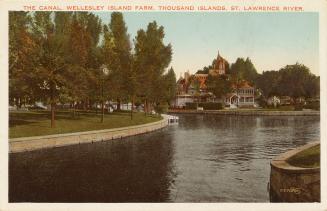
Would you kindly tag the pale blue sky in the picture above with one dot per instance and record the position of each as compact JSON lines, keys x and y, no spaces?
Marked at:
{"x":270,"y":40}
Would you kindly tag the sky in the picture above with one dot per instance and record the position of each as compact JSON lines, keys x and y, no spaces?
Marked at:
{"x":270,"y":40}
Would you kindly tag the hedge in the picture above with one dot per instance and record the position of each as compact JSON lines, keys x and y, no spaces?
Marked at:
{"x":315,"y":105}
{"x":161,"y":108}
{"x":206,"y":106}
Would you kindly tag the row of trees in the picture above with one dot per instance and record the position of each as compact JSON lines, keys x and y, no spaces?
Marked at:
{"x":60,"y":57}
{"x":292,"y":80}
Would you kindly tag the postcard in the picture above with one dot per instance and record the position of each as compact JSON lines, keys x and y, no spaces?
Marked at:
{"x":168,"y":105}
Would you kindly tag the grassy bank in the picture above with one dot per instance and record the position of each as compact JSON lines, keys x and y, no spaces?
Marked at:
{"x":309,"y":158}
{"x":37,"y":123}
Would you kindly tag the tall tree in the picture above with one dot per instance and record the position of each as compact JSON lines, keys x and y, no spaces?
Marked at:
{"x":243,"y":70}
{"x":293,"y":80}
{"x":121,"y":59}
{"x":268,"y":82}
{"x":52,"y":64}
{"x":152,"y":56}
{"x":22,"y":57}
{"x":170,"y":88}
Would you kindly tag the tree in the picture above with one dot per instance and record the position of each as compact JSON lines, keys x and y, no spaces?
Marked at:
{"x":218,"y":85}
{"x":294,"y":80}
{"x":152,"y":56}
{"x":268,"y":82}
{"x":121,"y":57}
{"x":22,"y":57}
{"x":170,"y":86}
{"x":77,"y":50}
{"x":52,"y":64}
{"x":312,"y":86}
{"x":244,"y":70}
{"x":92,"y":28}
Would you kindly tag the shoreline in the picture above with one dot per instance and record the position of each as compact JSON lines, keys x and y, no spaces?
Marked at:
{"x":24,"y":144}
{"x":247,"y":112}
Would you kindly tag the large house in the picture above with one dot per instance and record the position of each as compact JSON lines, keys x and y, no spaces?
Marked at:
{"x":193,"y":88}
{"x":242,"y":95}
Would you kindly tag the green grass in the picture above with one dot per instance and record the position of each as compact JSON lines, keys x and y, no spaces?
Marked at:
{"x":37,"y":123}
{"x":309,"y":158}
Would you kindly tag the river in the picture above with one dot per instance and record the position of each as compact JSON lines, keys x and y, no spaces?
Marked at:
{"x":202,"y":159}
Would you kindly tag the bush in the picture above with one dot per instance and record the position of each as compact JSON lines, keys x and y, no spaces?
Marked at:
{"x":262,"y":102}
{"x":298,"y":107}
{"x":190,"y":106}
{"x":315,"y":105}
{"x":211,"y":106}
{"x":163,"y":108}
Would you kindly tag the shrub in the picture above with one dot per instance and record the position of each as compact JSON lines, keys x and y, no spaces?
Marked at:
{"x":190,"y":106}
{"x":298,"y":107}
{"x":211,"y":106}
{"x":315,"y":105}
{"x":161,"y":108}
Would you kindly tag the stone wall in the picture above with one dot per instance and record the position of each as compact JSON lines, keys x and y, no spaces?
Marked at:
{"x":293,"y":184}
{"x":39,"y":142}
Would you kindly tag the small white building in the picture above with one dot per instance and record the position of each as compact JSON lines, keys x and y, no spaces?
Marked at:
{"x":274,"y":100}
{"x":182,"y":99}
{"x":242,"y":96}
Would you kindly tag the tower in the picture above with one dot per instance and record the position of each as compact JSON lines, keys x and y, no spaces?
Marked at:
{"x":219,"y":67}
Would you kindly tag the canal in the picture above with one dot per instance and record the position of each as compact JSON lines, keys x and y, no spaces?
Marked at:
{"x":202,"y":159}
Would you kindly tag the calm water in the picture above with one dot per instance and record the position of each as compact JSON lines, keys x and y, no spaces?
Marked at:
{"x":203,"y":159}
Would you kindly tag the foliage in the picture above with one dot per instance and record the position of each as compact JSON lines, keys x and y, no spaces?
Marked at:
{"x":211,"y":106}
{"x":292,"y":80}
{"x":170,"y":85}
{"x":190,"y":106}
{"x":161,"y":108}
{"x":315,"y":105}
{"x":268,"y":82}
{"x":244,"y":70}
{"x":151,"y":58}
{"x":56,"y":57}
{"x":22,"y":59}
{"x":218,"y":85}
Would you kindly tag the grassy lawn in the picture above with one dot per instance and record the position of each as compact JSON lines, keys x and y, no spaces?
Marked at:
{"x":309,"y":158}
{"x":36,"y":123}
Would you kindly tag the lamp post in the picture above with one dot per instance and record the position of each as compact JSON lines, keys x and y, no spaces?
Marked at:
{"x":105,"y":72}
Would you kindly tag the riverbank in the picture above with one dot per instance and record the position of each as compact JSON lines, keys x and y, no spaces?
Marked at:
{"x":37,"y":123}
{"x":291,"y":181}
{"x":248,"y":112}
{"x":58,"y":140}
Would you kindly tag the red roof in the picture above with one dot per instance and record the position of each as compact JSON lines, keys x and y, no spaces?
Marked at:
{"x":242,"y":85}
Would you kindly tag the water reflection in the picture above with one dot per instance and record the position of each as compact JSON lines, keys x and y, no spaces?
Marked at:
{"x":203,"y":159}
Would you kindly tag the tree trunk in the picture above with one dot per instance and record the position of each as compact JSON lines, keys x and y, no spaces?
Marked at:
{"x":144,"y":107}
{"x":102,"y":105}
{"x":102,"y":111}
{"x":19,"y":103}
{"x":74,"y":110}
{"x":84,"y":105}
{"x":118,"y":104}
{"x":53,"y":124}
{"x":132,"y":108}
